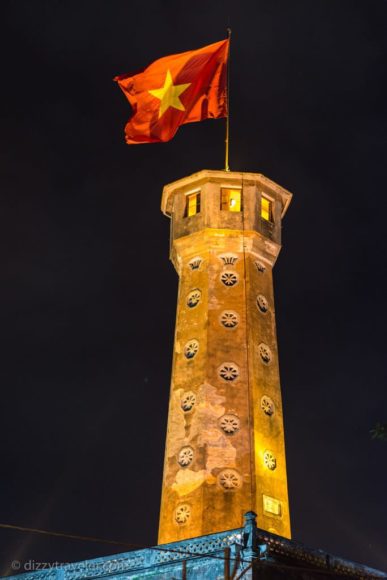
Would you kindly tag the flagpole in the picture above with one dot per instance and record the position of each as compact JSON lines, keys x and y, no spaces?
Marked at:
{"x":226,"y":164}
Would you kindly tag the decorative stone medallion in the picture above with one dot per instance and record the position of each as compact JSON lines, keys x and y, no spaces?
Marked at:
{"x":270,"y":460}
{"x":230,"y":424}
{"x":229,"y":278}
{"x":262,"y":303}
{"x":185,"y":456}
{"x":265,"y":353}
{"x":182,"y":513}
{"x":229,"y":479}
{"x":191,"y":349}
{"x":229,"y":371}
{"x":194,"y":298}
{"x":188,"y":400}
{"x":229,"y":319}
{"x":267,"y":405}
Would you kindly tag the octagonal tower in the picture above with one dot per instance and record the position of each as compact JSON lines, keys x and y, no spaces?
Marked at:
{"x":225,"y":451}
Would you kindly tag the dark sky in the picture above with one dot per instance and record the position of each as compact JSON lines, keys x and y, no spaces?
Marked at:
{"x":89,"y":296}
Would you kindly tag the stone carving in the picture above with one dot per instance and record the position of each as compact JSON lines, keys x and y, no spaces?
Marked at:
{"x":260,"y":267}
{"x":229,"y":319}
{"x":229,"y":278}
{"x":265,"y":353}
{"x":194,"y":298}
{"x":270,"y":460}
{"x":229,"y":259}
{"x":199,"y":428}
{"x":186,"y":455}
{"x":267,"y":405}
{"x":230,"y":424}
{"x":229,"y":479}
{"x":194,"y":264}
{"x":262,"y":303}
{"x":191,"y":349}
{"x":182,"y":513}
{"x":188,"y":400}
{"x":229,"y":371}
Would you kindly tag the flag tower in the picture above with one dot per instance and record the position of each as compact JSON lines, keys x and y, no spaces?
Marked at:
{"x":225,"y":452}
{"x":225,"y":464}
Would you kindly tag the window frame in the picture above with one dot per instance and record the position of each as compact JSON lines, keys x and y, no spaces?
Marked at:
{"x":192,"y":195}
{"x":228,"y":188}
{"x":270,"y":211}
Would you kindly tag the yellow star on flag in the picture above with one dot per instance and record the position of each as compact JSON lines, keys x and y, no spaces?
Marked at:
{"x":169,"y":95}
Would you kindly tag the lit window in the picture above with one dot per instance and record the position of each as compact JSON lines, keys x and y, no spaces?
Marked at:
{"x":266,"y":209}
{"x":231,"y":199}
{"x":192,"y":204}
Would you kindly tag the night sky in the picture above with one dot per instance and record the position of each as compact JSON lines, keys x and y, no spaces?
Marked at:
{"x":89,"y":296}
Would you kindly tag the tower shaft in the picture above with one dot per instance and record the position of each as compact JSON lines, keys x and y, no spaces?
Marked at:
{"x":225,"y":452}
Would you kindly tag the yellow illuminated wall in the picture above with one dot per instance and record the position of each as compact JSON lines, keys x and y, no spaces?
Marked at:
{"x":225,"y":451}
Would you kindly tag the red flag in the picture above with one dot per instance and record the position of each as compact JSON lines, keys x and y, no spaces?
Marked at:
{"x":177,"y":89}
